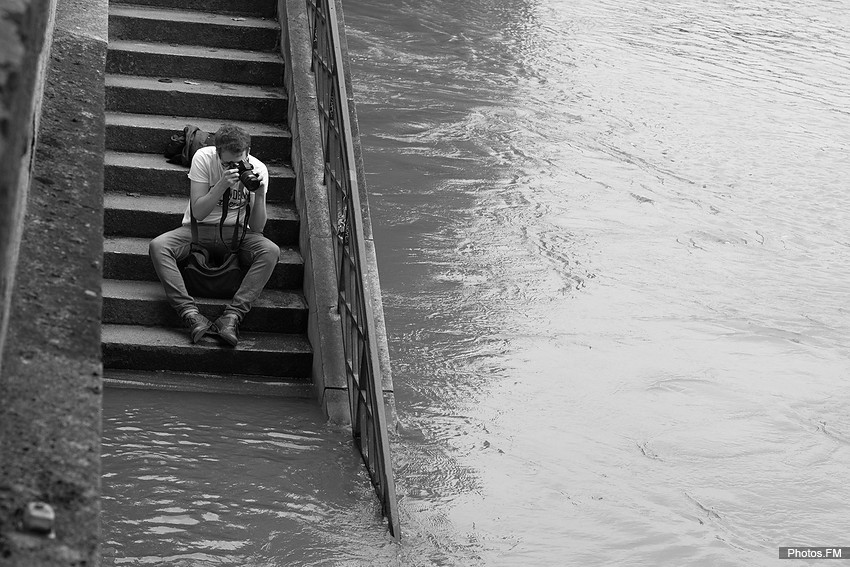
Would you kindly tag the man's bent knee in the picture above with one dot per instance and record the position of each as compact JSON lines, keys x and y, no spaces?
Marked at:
{"x":155,"y":247}
{"x":271,"y":249}
{"x":265,"y":248}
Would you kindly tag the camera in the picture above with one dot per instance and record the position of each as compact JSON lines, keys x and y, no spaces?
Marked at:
{"x":247,"y":176}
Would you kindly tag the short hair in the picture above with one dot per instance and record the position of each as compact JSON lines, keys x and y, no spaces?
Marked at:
{"x":232,"y":139}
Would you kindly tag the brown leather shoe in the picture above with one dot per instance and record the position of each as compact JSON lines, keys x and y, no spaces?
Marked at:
{"x":198,"y":324}
{"x":227,"y":327}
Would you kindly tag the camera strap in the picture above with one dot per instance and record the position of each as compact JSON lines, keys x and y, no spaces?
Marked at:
{"x":236,"y":240}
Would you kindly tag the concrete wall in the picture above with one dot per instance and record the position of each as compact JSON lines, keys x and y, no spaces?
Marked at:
{"x":315,"y":240}
{"x":25,"y":32}
{"x":50,"y":380}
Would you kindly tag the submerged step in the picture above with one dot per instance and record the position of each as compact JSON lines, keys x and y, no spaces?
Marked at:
{"x":170,"y":349}
{"x":150,"y":133}
{"x":144,"y":303}
{"x":193,"y":62}
{"x":151,"y":174}
{"x":174,"y":95}
{"x":208,"y":383}
{"x":144,"y":216}
{"x":127,"y":258}
{"x":178,"y":26}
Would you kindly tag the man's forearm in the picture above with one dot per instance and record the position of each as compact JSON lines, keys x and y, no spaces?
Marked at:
{"x":205,"y":198}
{"x":259,"y":216}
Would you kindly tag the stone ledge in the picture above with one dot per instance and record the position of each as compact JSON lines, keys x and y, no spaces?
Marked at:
{"x":324,"y":327}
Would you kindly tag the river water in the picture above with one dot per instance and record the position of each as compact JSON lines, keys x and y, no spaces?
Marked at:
{"x":615,"y":253}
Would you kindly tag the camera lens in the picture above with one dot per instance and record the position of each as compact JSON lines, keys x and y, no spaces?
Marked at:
{"x":249,"y":180}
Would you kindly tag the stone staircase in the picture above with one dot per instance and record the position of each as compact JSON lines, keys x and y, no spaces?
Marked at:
{"x":172,"y":63}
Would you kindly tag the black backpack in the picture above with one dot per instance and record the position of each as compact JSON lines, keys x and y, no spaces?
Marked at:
{"x":183,"y":145}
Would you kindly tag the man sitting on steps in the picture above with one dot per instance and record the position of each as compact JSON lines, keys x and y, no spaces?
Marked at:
{"x":212,"y":173}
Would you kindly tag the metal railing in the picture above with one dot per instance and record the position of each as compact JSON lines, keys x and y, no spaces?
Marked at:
{"x":363,"y":372}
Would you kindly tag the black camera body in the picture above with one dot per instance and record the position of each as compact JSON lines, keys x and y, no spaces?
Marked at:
{"x":247,"y":176}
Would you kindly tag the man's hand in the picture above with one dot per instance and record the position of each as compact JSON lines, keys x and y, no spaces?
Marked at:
{"x":205,"y":197}
{"x":228,"y":179}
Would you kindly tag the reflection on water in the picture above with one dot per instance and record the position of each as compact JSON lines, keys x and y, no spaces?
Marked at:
{"x":192,"y":479}
{"x":614,"y":254}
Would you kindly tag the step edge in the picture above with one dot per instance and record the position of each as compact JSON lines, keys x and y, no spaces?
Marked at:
{"x":129,"y":10}
{"x":196,"y":51}
{"x":279,"y":211}
{"x":303,"y":343}
{"x":170,"y":122}
{"x":115,"y":158}
{"x":193,"y":86}
{"x":110,"y":289}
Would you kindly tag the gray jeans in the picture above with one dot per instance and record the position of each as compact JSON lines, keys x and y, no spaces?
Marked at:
{"x":257,"y":252}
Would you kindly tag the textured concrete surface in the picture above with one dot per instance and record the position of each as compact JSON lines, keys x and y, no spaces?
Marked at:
{"x":324,"y":327}
{"x":203,"y":98}
{"x":193,"y":62}
{"x":162,"y":178}
{"x":145,"y":24}
{"x":50,"y":386}
{"x":25,"y":31}
{"x":128,"y":258}
{"x":146,"y":132}
{"x":128,"y":302}
{"x":279,"y":357}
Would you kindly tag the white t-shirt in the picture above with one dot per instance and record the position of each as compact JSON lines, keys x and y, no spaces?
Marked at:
{"x":206,"y":168}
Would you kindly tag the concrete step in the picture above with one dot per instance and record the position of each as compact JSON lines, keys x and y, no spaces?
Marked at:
{"x":180,"y":96}
{"x":244,"y":8}
{"x":143,"y":216}
{"x":181,"y":27}
{"x":234,"y":384}
{"x":150,"y":174}
{"x":144,"y":133}
{"x":128,"y":259}
{"x":193,"y":62}
{"x":276,"y":356}
{"x":144,"y":303}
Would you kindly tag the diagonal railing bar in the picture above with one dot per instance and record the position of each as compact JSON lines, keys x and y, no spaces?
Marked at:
{"x":363,"y":371}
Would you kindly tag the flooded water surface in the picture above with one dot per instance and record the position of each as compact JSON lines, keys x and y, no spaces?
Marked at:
{"x":201,"y":479}
{"x":615,"y":250}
